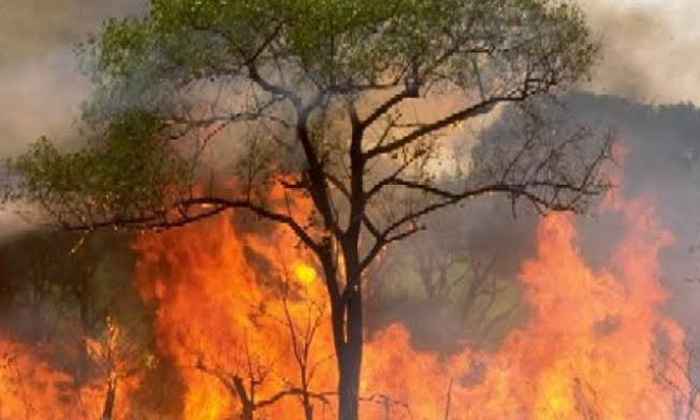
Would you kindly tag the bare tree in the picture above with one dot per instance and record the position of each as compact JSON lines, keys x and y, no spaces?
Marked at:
{"x":255,"y":372}
{"x":301,"y":340}
{"x":257,"y":380}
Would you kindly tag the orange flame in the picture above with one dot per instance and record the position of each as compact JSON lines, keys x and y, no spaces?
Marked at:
{"x":30,"y":388}
{"x":238,"y":313}
{"x":242,"y":317}
{"x":597,"y":344}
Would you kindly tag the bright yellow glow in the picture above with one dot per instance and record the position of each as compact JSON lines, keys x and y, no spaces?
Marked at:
{"x":555,"y":399}
{"x":304,"y":273}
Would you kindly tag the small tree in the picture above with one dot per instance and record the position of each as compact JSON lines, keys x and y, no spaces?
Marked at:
{"x":345,"y":104}
{"x":255,"y":371}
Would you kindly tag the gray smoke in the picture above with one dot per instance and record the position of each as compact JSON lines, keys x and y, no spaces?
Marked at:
{"x":41,"y":87}
{"x":662,"y":164}
{"x":650,"y":55}
{"x":649,"y":49}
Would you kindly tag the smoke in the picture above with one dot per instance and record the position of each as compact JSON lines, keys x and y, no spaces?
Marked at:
{"x":649,"y":56}
{"x":40,"y":84}
{"x":662,"y":165}
{"x":649,"y":49}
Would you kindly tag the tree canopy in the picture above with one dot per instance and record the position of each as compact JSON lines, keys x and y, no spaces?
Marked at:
{"x":188,"y":70}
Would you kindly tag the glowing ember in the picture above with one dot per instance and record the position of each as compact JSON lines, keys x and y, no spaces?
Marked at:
{"x":304,"y":273}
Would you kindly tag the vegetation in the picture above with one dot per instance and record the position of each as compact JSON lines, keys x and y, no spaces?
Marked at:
{"x":353,"y":106}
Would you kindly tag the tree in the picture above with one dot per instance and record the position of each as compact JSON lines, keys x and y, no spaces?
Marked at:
{"x":72,"y":308}
{"x":318,"y":98}
{"x":255,"y":381}
{"x":457,"y":281}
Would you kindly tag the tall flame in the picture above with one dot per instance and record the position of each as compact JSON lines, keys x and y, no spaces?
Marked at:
{"x":597,"y":345}
{"x":239,"y":314}
{"x":242,"y":318}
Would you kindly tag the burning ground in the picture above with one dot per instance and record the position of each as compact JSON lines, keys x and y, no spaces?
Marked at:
{"x":544,"y":319}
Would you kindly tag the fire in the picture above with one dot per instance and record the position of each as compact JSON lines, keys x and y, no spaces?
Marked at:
{"x":597,"y":344}
{"x":304,"y":273}
{"x":30,"y":388}
{"x":240,"y":315}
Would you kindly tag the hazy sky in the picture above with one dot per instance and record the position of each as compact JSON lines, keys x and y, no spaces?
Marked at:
{"x":651,"y":53}
{"x":40,"y":85}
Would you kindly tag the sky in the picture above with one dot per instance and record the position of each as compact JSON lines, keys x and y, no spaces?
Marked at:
{"x":41,"y":86}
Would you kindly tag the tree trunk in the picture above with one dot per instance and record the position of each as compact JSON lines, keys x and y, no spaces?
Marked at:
{"x":108,"y":408}
{"x":308,"y":408}
{"x":247,"y":403}
{"x":350,"y":357}
{"x":247,"y":413}
{"x":348,"y":324}
{"x":349,"y":364}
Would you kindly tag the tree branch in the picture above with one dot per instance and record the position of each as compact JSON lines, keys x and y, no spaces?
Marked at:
{"x":481,"y":108}
{"x":160,"y":220}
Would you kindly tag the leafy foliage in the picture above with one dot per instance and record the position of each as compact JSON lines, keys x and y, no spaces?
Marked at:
{"x":357,"y":41}
{"x":131,"y":170}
